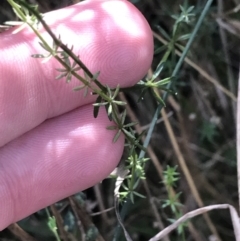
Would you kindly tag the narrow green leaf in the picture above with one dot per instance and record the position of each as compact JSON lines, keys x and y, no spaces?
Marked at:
{"x":139,"y":195}
{"x":163,"y":81}
{"x":136,"y":184}
{"x":141,"y":82}
{"x":44,"y":47}
{"x":69,"y":77}
{"x":184,"y":37}
{"x":109,"y":110}
{"x":109,"y":91}
{"x":131,"y":124}
{"x":158,"y":70}
{"x":38,"y":56}
{"x":76,"y":69}
{"x":127,"y":133}
{"x":112,"y":128}
{"x":60,"y":76}
{"x":131,"y":197}
{"x":99,"y":84}
{"x":95,"y":76}
{"x":123,"y":117}
{"x":158,"y":98}
{"x":80,"y":87}
{"x":163,"y":32}
{"x":61,"y":70}
{"x":100,"y":104}
{"x":160,"y":49}
{"x":120,"y":102}
{"x":117,"y":136}
{"x":116,"y":92}
{"x":110,"y":115}
{"x":190,"y":9}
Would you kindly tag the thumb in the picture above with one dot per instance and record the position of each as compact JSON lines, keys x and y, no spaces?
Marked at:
{"x":109,"y":36}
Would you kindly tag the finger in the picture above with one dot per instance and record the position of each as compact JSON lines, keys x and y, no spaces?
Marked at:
{"x":109,"y":36}
{"x":56,"y":159}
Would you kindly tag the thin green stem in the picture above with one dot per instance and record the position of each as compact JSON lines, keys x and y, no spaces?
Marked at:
{"x":61,"y":45}
{"x":56,"y":40}
{"x":169,"y":51}
{"x":127,"y":204}
{"x":55,"y":228}
{"x":175,"y":72}
{"x":133,"y":171}
{"x":17,"y":9}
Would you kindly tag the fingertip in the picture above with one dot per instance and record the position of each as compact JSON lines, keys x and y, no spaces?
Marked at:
{"x":55,"y":160}
{"x":110,"y":36}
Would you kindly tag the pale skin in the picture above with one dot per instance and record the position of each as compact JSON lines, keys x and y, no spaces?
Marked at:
{"x":51,"y":145}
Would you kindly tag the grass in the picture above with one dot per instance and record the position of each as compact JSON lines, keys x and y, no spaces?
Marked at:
{"x":191,"y":149}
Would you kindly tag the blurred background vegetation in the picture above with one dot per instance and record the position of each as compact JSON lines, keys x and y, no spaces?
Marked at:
{"x":193,"y":147}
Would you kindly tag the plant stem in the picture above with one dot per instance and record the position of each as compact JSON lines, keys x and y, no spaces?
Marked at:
{"x":127,"y":204}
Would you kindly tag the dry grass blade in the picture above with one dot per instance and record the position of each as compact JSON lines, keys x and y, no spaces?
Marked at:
{"x":184,"y":218}
{"x":238,"y":139}
{"x":200,"y":70}
{"x":85,"y":219}
{"x":20,"y":233}
{"x":231,"y":25}
{"x":231,"y":83}
{"x":187,"y":173}
{"x":101,"y":205}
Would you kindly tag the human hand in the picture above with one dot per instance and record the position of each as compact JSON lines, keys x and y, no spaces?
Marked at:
{"x":51,"y":146}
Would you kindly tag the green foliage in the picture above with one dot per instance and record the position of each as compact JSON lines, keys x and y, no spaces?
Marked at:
{"x":52,"y":225}
{"x":137,"y":172}
{"x":72,"y":64}
{"x":181,"y":227}
{"x":172,"y":203}
{"x":208,"y":131}
{"x":170,"y":176}
{"x":180,"y":36}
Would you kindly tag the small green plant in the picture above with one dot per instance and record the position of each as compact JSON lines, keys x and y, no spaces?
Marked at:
{"x":71,"y":63}
{"x":169,"y":49}
{"x":136,"y":167}
{"x":52,"y":225}
{"x":170,"y":178}
{"x":208,"y":131}
{"x":108,"y":98}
